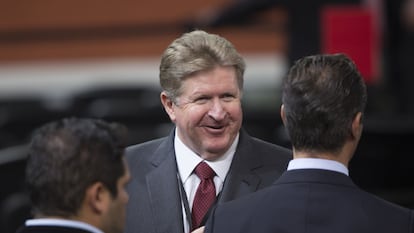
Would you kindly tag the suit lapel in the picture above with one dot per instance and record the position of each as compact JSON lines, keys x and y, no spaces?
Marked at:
{"x":163,"y":189}
{"x":240,"y":179}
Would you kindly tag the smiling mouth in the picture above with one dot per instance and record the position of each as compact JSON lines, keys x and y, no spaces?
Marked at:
{"x":215,"y":129}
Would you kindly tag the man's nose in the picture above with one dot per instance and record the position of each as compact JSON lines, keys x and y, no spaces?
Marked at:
{"x":217,"y":110}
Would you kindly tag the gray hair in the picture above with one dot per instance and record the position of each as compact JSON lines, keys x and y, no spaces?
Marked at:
{"x":193,"y":52}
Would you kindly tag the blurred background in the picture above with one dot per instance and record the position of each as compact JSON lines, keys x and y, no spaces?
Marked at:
{"x":94,"y":58}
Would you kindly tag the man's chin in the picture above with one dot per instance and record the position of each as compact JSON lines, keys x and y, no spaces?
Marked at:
{"x":214,"y":151}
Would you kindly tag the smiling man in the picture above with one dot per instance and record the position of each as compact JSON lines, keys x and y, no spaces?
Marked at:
{"x":208,"y":157}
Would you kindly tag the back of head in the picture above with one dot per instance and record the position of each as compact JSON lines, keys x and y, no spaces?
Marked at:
{"x":67,"y":156}
{"x":321,"y":96}
{"x":197,"y":51}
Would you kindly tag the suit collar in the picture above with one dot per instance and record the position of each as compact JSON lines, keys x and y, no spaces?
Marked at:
{"x":241,"y":180}
{"x":315,"y":176}
{"x":51,"y":229}
{"x":165,"y":151}
{"x":317,"y":163}
{"x":244,"y":158}
{"x":62,"y":223}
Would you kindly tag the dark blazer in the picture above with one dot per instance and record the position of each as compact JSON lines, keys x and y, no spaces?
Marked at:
{"x":154,"y":195}
{"x":50,"y":229}
{"x":311,"y":200}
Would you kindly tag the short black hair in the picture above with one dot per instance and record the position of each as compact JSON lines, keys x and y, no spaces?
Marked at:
{"x":321,"y":95}
{"x":67,"y":156}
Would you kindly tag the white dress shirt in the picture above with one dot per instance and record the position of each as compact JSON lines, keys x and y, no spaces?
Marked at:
{"x":62,"y":223}
{"x":187,"y":160}
{"x":314,"y":163}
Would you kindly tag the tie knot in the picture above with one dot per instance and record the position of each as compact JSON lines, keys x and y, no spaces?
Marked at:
{"x":203,"y":171}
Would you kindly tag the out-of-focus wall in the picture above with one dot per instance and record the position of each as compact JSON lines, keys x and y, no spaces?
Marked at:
{"x":50,"y":29}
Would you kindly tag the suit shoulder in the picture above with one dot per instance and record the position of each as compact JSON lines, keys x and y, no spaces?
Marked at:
{"x":145,"y":145}
{"x":378,"y":202}
{"x":143,"y":149}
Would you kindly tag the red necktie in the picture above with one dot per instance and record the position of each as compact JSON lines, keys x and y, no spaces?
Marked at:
{"x":205,"y":195}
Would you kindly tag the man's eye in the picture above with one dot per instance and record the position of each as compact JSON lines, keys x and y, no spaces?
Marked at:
{"x":201,"y":100}
{"x":228,"y":97}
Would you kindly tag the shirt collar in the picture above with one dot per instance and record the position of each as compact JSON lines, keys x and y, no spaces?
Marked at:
{"x":62,"y":223}
{"x":187,"y":160}
{"x":316,"y":163}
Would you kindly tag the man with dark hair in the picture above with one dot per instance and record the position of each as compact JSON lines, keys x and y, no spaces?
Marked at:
{"x":324,"y":98}
{"x":76,"y":176}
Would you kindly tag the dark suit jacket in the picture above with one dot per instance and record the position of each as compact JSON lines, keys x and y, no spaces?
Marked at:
{"x":311,"y":200}
{"x":50,"y":229}
{"x":154,"y":196}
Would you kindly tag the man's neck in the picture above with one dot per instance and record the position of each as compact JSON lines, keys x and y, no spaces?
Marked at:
{"x":338,"y":157}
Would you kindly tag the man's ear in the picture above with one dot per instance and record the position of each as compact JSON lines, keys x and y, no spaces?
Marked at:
{"x":97,"y":198}
{"x":282,"y":114}
{"x":168,"y":105}
{"x":357,"y":126}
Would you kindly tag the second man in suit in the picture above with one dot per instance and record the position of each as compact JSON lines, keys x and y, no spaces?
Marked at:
{"x":201,"y":75}
{"x":324,"y":97}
